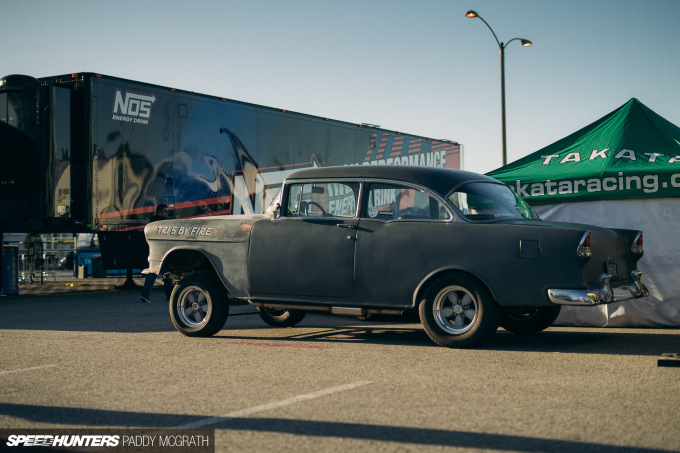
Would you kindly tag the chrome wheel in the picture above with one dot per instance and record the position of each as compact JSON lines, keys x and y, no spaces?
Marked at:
{"x":455,"y":310}
{"x":192,"y":306}
{"x":199,"y":305}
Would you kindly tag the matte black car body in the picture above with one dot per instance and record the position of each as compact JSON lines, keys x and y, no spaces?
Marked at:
{"x":394,"y":239}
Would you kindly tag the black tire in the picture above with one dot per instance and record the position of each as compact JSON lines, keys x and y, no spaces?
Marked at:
{"x":530,"y":320}
{"x":278,"y":317}
{"x":199,"y":306}
{"x":458,"y":311}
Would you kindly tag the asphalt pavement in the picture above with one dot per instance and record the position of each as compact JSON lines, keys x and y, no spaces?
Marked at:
{"x":85,"y":357}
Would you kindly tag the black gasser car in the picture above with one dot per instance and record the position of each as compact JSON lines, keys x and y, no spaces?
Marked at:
{"x":458,"y":247}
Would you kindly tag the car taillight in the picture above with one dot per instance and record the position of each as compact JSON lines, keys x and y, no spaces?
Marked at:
{"x":637,"y":243}
{"x":584,"y":246}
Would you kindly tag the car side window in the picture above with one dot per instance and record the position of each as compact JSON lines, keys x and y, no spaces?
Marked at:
{"x":322,"y":199}
{"x":394,"y":202}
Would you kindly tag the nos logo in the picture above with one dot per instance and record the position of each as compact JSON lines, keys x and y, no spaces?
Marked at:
{"x":137,"y":105}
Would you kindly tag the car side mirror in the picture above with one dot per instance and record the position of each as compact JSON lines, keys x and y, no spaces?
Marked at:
{"x":276,"y":212}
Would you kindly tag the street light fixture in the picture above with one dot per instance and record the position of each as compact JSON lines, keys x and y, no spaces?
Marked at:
{"x":525,"y":43}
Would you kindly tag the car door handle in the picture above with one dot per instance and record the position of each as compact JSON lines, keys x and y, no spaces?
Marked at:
{"x":345,"y":225}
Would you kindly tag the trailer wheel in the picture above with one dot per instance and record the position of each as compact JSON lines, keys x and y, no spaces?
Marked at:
{"x":198,"y":306}
{"x":278,"y":317}
{"x":530,"y":320}
{"x":458,"y":312}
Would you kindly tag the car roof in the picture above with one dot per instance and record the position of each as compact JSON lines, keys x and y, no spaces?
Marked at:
{"x":441,"y":180}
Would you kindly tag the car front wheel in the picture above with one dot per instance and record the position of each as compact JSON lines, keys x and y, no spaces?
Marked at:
{"x":198,"y":306}
{"x":278,"y":317}
{"x":529,"y":320}
{"x":458,"y":312}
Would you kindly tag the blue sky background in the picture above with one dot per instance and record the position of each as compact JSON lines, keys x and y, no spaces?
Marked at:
{"x":417,"y":66}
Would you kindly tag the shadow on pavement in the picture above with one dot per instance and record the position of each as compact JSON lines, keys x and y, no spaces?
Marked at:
{"x":64,"y":416}
{"x":122,"y":311}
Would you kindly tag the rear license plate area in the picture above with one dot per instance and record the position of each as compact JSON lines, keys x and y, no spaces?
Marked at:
{"x":611,"y":270}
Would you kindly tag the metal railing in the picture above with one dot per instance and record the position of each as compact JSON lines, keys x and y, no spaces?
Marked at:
{"x":37,"y":268}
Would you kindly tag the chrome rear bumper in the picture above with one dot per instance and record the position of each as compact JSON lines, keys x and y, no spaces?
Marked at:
{"x":604,"y":294}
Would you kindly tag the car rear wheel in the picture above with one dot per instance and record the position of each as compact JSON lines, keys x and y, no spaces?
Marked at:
{"x":278,"y":317}
{"x":198,"y":306}
{"x":458,"y":312}
{"x":530,"y":320}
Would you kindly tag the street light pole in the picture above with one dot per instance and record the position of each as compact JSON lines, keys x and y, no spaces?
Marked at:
{"x":501,"y":46}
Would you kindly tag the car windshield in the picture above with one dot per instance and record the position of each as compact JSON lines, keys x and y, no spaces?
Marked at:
{"x":481,"y":201}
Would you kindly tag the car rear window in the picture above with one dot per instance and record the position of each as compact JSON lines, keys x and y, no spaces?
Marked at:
{"x":487,"y":201}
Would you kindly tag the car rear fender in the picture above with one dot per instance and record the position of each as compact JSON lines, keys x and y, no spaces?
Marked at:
{"x":451,"y":271}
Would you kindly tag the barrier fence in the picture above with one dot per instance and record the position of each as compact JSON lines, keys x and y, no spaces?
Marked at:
{"x":37,"y":268}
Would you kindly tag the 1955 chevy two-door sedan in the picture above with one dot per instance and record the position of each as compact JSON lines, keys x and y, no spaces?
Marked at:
{"x":459,"y":248}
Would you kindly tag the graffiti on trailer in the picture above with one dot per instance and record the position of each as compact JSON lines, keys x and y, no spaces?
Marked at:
{"x":245,"y":188}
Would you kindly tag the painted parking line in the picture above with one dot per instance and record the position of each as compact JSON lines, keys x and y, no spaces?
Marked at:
{"x":274,"y":405}
{"x":27,"y":369}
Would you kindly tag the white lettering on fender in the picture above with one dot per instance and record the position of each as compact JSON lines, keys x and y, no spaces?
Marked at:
{"x":183,"y":231}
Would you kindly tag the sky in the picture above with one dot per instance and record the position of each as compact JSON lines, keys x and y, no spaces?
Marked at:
{"x":416,"y":66}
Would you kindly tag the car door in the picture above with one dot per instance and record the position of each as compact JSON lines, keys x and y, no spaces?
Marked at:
{"x":402,"y":236}
{"x":309,"y":250}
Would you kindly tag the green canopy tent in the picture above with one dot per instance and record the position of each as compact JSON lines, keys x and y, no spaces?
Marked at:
{"x":630,"y":153}
{"x":622,"y":171}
